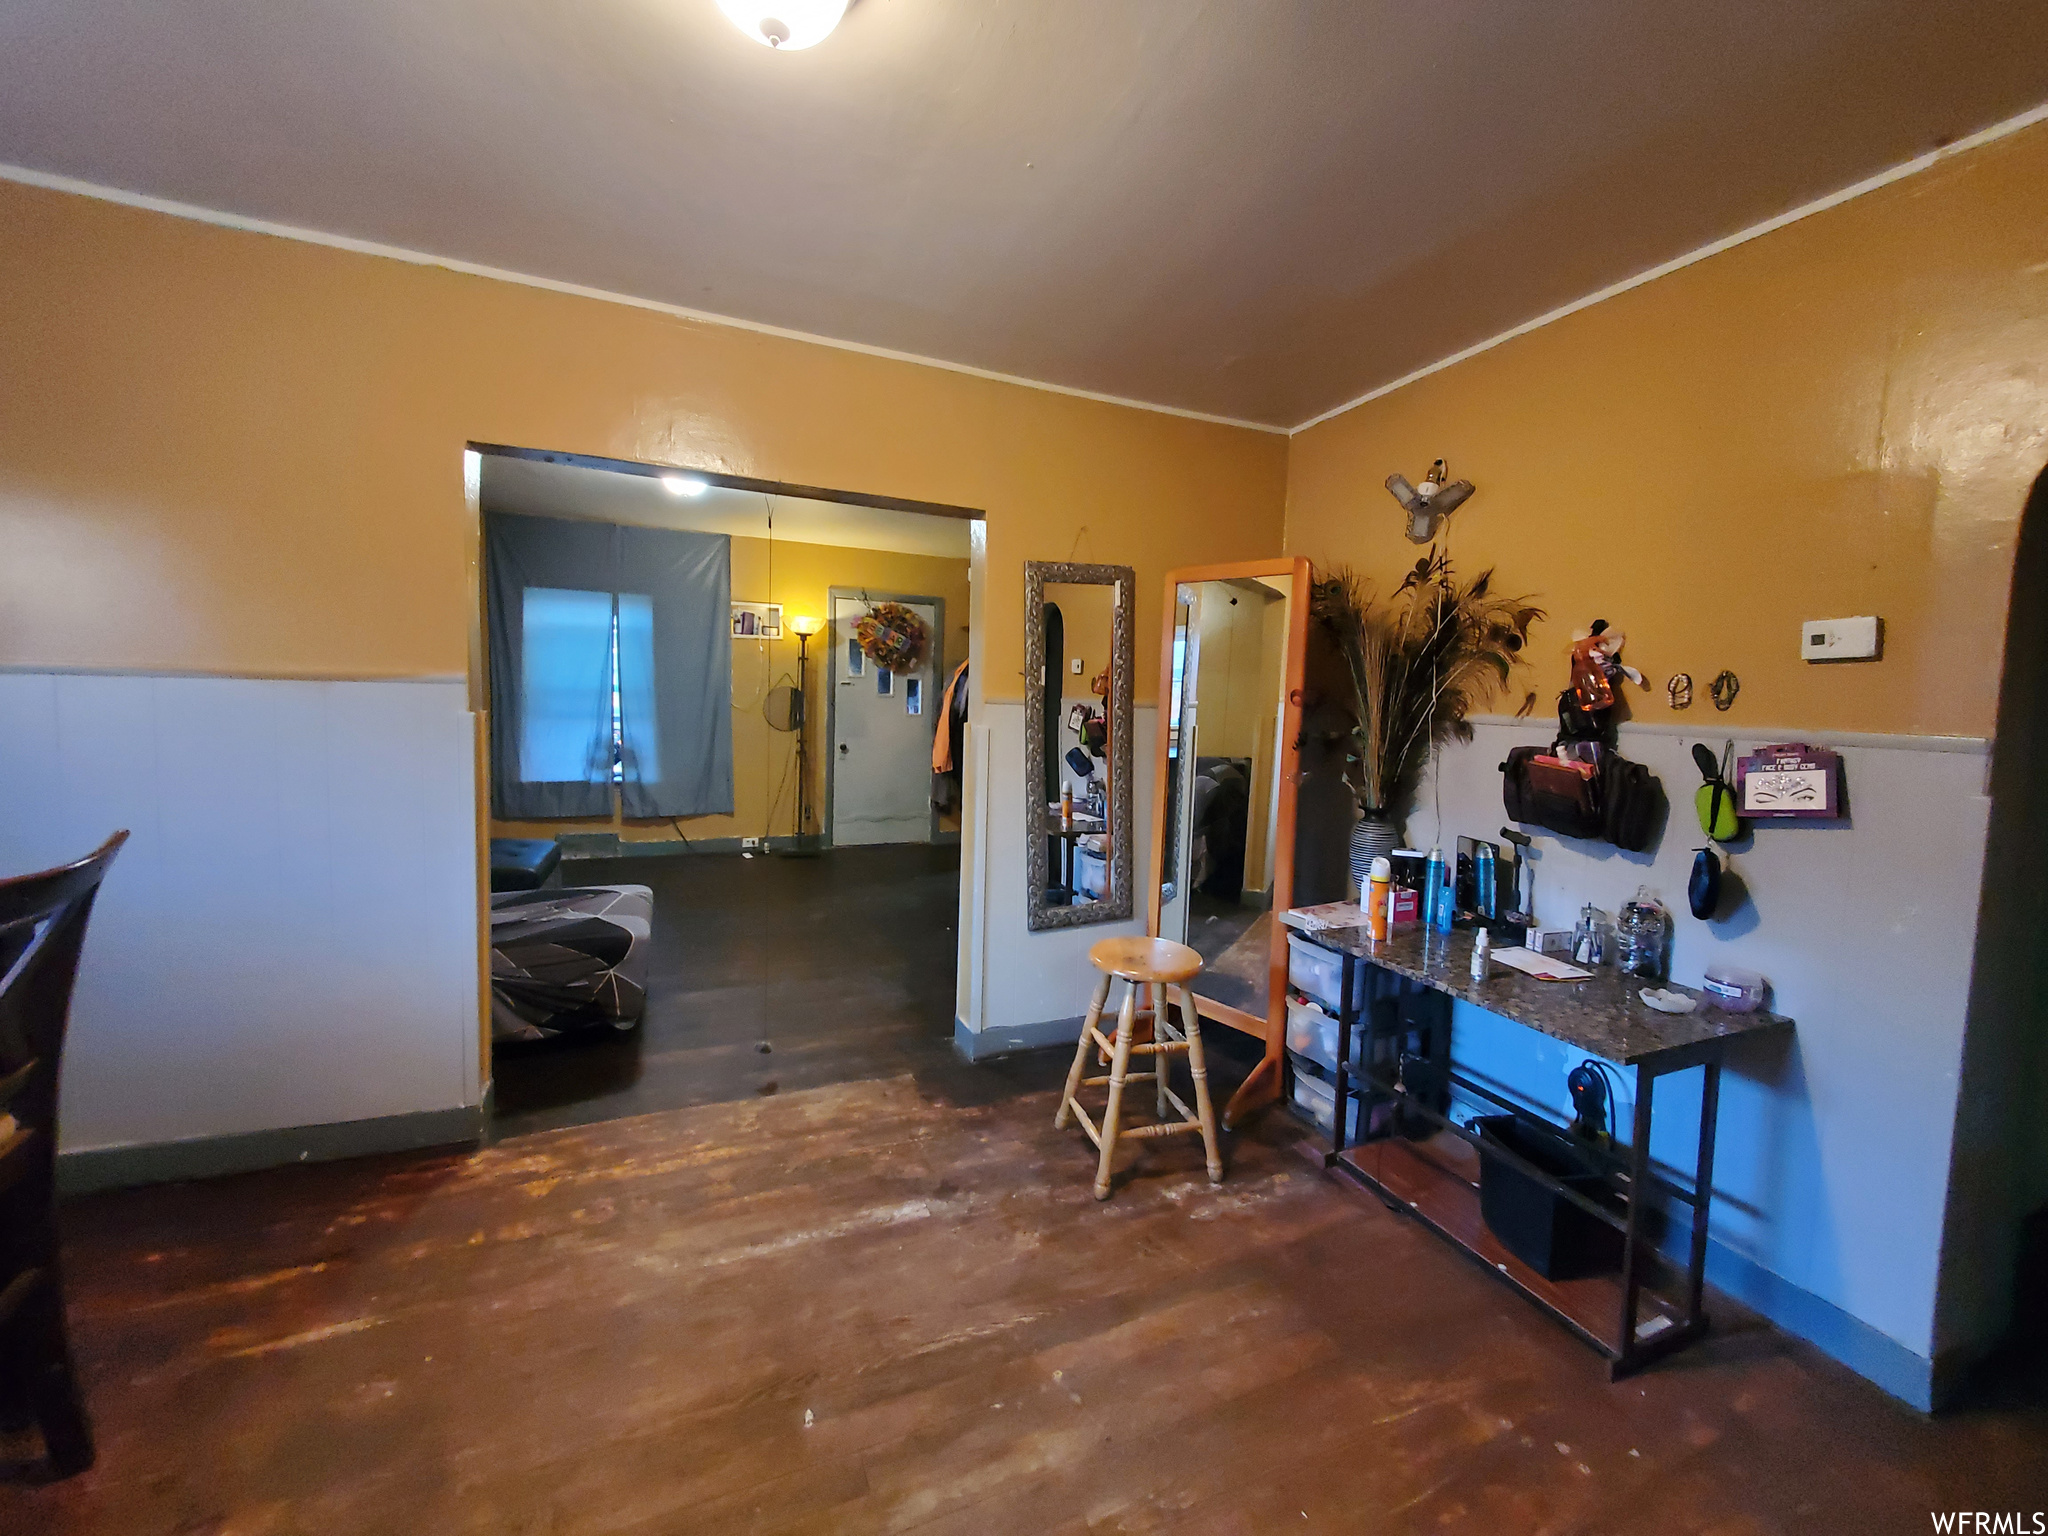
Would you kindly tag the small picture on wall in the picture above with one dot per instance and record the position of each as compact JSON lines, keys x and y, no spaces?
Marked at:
{"x":757,"y":621}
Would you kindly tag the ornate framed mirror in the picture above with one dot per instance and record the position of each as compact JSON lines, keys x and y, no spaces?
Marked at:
{"x":1078,"y":654}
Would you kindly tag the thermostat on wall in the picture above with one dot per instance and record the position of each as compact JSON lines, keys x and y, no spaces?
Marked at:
{"x":1840,"y":639}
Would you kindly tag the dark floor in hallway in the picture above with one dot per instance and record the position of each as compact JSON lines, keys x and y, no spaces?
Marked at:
{"x":841,"y":965}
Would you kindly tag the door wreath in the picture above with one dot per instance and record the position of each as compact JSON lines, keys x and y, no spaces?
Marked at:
{"x":892,"y":636}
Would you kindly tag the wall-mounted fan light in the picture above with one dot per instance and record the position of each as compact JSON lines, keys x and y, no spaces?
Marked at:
{"x":1429,"y":503}
{"x":785,"y":25}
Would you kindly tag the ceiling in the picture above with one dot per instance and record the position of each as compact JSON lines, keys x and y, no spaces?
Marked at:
{"x":537,"y":488}
{"x":1254,"y":210}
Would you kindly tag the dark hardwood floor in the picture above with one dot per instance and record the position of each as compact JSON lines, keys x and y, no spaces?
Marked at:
{"x":840,"y":966}
{"x":882,"y":1299}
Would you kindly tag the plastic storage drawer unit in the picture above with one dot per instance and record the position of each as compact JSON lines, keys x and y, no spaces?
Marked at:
{"x":1318,"y":1101}
{"x":1320,"y":973}
{"x":1311,"y":1032}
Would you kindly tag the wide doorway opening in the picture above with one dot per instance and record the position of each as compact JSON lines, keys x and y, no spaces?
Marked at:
{"x":724,"y":778}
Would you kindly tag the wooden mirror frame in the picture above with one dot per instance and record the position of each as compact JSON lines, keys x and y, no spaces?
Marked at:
{"x":1264,"y":1085}
{"x":1118,"y":905}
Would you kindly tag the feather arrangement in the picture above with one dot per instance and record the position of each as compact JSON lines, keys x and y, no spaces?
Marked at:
{"x":1421,"y":659}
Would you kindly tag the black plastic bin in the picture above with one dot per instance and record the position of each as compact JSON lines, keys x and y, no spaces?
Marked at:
{"x":1535,"y":1223}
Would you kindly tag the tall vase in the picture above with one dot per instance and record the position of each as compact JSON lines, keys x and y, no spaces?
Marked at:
{"x":1374,"y":837}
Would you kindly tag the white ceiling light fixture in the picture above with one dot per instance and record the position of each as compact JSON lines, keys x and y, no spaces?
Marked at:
{"x":785,"y":25}
{"x":684,"y":485}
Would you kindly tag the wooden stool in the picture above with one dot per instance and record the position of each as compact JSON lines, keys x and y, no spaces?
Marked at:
{"x":1167,"y":966}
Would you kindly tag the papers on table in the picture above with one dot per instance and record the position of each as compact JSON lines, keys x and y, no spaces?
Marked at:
{"x":1331,"y":914}
{"x":1542,"y":967}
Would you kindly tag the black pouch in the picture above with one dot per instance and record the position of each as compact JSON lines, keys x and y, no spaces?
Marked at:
{"x":1703,"y":891}
{"x":1577,"y":723}
{"x":1634,"y":803}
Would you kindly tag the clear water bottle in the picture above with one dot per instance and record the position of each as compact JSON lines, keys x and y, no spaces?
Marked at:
{"x":1640,"y":936}
{"x":1591,"y":940}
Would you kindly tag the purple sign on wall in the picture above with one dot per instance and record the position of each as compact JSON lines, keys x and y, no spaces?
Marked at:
{"x":1790,"y":781}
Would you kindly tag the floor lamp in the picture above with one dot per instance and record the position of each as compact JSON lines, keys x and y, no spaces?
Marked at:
{"x":803,"y":626}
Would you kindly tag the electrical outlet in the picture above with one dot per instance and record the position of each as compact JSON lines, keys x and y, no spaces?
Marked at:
{"x":1840,"y":639}
{"x":750,"y":844}
{"x":1075,"y":666}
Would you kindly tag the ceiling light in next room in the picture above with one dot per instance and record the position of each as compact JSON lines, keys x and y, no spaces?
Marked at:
{"x":684,"y":485}
{"x":785,"y":24}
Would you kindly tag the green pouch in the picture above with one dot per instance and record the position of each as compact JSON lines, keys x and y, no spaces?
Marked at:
{"x":1718,"y":821}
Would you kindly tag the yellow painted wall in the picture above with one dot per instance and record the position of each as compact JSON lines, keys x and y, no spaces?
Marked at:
{"x":1238,"y":681}
{"x":1839,"y":418}
{"x":228,"y":452}
{"x":763,"y":760}
{"x":1241,"y":661}
{"x":1086,"y":615}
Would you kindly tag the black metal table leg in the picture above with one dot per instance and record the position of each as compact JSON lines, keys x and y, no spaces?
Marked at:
{"x":1703,"y":1194}
{"x":1346,"y":1009}
{"x":1632,"y":1256}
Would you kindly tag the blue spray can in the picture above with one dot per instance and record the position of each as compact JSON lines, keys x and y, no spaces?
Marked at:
{"x":1437,"y":895}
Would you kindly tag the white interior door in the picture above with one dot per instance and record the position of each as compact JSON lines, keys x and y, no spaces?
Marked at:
{"x":882,"y":726}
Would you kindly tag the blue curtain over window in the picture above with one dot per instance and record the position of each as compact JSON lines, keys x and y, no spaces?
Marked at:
{"x":610,"y":648}
{"x":675,"y":672}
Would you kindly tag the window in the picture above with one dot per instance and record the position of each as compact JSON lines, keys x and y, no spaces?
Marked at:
{"x":585,"y":720}
{"x":569,"y":638}
{"x":1180,"y":662}
{"x":568,"y":649}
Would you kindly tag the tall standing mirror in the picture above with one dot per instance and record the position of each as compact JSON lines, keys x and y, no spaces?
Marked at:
{"x":1077,"y":733}
{"x":1224,"y":825}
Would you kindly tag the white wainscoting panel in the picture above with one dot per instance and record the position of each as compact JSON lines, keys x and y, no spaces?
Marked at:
{"x":289,"y":938}
{"x":1020,"y":981}
{"x":1832,"y":1165}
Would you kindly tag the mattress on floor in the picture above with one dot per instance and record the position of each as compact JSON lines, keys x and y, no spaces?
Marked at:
{"x":569,"y":960}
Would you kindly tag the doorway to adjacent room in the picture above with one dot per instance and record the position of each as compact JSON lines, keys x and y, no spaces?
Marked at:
{"x":737,"y":775}
{"x":882,"y":725}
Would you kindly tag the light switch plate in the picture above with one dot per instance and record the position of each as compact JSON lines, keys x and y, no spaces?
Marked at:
{"x":1840,"y":639}
{"x":1076,"y":664}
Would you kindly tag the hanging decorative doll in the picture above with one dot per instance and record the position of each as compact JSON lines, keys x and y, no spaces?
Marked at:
{"x":1597,"y":667}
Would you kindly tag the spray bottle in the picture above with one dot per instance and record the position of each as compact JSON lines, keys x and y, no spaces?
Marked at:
{"x":1379,"y":890}
{"x":1436,"y":896}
